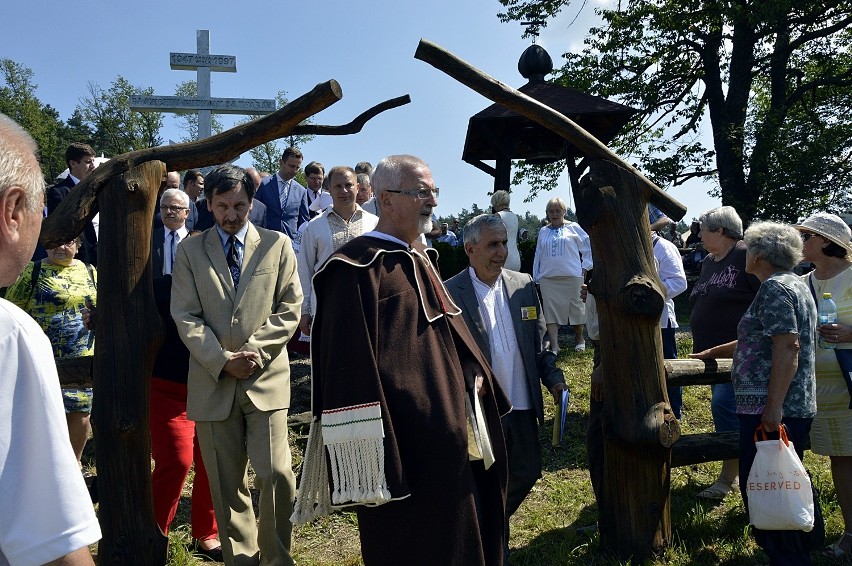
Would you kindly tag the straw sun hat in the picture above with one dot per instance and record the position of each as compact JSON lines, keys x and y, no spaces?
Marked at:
{"x":829,"y":226}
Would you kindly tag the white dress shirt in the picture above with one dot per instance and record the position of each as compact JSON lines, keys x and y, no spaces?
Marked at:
{"x":506,"y":359}
{"x":168,"y":258}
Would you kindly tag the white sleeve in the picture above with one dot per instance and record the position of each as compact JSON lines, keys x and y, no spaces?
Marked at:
{"x":670,"y":268}
{"x":539,"y":245}
{"x":47,"y":510}
{"x":306,"y":262}
{"x":585,"y":246}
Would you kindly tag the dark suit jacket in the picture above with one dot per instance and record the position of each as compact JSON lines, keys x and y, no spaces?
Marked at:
{"x":295,"y":212}
{"x":529,"y":333}
{"x":54,"y":195}
{"x":158,"y":238}
{"x":257,"y":216}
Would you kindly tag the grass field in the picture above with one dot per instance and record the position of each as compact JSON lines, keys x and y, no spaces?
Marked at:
{"x":552,"y":527}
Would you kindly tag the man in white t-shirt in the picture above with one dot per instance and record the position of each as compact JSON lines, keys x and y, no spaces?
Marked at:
{"x":48,"y":516}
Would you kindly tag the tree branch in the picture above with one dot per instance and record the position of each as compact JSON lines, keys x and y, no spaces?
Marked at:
{"x":821,"y":32}
{"x":841,"y":80}
{"x":355,"y":125}
{"x":681,"y":178}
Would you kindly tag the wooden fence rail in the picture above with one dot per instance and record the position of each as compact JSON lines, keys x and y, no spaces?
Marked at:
{"x":693,"y":449}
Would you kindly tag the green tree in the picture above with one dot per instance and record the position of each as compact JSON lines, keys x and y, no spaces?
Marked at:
{"x":189,"y":119}
{"x":819,"y":145}
{"x":265,"y":157}
{"x":115,"y":128}
{"x":78,"y":130}
{"x":769,"y":77}
{"x":19,"y":102}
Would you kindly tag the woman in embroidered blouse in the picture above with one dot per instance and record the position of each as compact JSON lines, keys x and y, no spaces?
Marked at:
{"x":827,"y":245}
{"x":773,"y":369}
{"x":563,"y":256}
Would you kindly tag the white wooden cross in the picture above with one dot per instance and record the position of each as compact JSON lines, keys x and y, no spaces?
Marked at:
{"x":202,"y":62}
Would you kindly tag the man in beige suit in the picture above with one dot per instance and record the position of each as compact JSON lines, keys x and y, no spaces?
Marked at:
{"x":236,"y":300}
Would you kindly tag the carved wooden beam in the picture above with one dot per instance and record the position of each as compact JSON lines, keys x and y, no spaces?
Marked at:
{"x":80,"y":204}
{"x":513,"y":99}
{"x":355,"y":125}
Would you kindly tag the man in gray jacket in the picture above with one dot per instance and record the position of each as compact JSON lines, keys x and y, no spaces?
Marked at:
{"x":502,"y":311}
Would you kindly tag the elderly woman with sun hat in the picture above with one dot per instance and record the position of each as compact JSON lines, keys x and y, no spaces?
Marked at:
{"x":827,"y":245}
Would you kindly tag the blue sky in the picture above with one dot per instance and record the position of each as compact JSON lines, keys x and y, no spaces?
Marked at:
{"x":366,"y":45}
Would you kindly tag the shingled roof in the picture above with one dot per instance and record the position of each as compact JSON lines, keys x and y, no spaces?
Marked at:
{"x":491,"y":131}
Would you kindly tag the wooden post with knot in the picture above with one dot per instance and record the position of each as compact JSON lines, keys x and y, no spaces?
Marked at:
{"x":639,"y":425}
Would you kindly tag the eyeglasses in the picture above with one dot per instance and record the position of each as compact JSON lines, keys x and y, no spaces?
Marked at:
{"x":807,"y":236}
{"x":172,"y":208}
{"x":421,"y":194}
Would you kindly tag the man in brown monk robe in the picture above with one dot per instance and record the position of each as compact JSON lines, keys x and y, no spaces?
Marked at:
{"x":407,"y":406}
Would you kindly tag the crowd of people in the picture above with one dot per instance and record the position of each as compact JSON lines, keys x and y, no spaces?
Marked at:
{"x":434,"y":457}
{"x":750,"y":305}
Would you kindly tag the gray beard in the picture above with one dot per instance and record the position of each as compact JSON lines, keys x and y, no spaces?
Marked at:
{"x":424,"y":225}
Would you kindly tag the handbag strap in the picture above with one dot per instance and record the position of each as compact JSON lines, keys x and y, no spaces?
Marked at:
{"x":782,"y":434}
{"x":843,"y":362}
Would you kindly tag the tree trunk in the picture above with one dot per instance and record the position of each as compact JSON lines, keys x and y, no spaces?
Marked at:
{"x":129,"y":331}
{"x":639,"y":426}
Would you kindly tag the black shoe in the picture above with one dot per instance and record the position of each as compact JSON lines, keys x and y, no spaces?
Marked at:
{"x":211,"y":555}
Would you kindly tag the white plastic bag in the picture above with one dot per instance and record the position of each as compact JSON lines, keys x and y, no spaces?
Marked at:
{"x":779,"y":491}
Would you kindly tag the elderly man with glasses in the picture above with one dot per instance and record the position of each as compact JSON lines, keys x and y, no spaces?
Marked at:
{"x":404,"y":401}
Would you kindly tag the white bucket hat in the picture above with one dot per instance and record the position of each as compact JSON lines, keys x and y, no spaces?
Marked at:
{"x":829,"y":226}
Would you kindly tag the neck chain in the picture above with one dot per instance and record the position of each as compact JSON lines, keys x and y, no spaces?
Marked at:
{"x":825,"y":285}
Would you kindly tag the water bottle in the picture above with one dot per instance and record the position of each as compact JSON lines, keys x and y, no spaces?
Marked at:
{"x":827,"y":315}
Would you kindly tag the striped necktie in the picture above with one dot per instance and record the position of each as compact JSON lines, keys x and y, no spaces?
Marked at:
{"x":285,"y":192}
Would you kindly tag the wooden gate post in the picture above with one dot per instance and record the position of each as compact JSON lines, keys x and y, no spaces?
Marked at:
{"x":128,"y":333}
{"x":639,"y":426}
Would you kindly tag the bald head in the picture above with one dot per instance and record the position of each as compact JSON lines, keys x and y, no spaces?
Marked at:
{"x":255,"y":176}
{"x":21,"y":199}
{"x":172,"y":180}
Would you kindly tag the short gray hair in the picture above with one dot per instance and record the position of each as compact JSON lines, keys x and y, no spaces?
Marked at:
{"x":19,"y":163}
{"x":473,"y":228}
{"x":389,"y":171}
{"x":500,"y":199}
{"x":779,"y":244}
{"x":364,"y":179}
{"x":726,"y":218}
{"x":168,"y":193}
